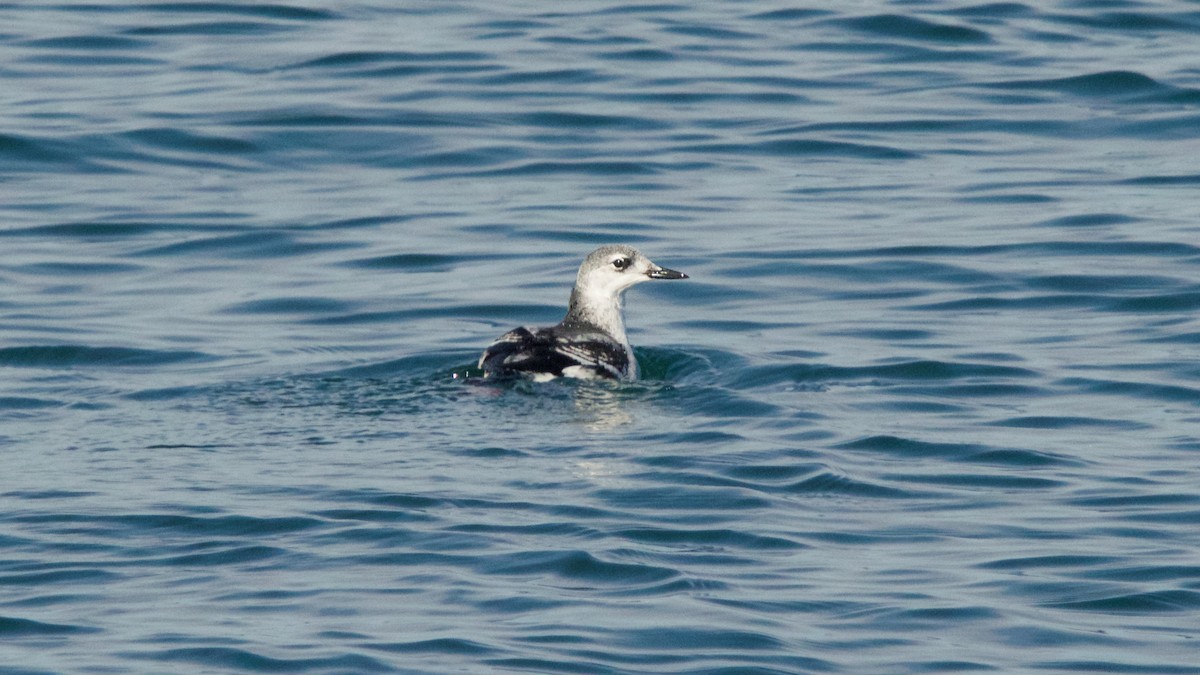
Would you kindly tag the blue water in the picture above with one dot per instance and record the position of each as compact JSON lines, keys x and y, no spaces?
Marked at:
{"x":929,"y":402}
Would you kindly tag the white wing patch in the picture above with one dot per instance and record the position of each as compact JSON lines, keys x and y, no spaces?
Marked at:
{"x":580,"y":373}
{"x":591,"y":355}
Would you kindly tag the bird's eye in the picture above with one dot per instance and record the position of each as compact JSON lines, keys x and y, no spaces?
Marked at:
{"x":621,"y":263}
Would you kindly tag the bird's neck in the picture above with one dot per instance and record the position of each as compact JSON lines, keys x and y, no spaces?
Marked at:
{"x":600,"y":312}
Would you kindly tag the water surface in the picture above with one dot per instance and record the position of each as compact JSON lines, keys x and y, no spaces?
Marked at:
{"x":928,"y":402}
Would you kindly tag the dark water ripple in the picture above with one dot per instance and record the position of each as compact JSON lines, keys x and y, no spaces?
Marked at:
{"x":928,"y":402}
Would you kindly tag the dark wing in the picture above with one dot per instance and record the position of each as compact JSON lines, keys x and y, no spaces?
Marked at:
{"x":543,"y":351}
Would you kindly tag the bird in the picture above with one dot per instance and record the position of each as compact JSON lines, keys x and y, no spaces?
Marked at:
{"x":590,"y":342}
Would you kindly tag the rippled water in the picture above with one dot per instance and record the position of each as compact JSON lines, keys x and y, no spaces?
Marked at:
{"x":929,"y":401}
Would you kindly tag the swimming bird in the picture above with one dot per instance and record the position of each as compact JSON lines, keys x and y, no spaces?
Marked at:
{"x":590,"y":341}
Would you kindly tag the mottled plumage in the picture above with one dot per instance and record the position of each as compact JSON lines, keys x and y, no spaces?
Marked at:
{"x":590,"y":341}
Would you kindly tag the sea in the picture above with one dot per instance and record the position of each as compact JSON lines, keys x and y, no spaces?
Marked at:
{"x":929,"y":401}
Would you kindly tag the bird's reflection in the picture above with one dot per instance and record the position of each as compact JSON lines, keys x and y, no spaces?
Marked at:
{"x":600,"y":408}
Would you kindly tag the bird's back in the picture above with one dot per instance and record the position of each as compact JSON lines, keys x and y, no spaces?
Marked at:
{"x":545,"y":353}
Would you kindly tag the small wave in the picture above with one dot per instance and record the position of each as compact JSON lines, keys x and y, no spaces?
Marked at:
{"x":1184,"y":180}
{"x":578,"y":566}
{"x":80,"y":268}
{"x":497,"y":82}
{"x":1108,"y":83}
{"x":1114,"y":85}
{"x":829,"y":483}
{"x":1123,"y":22}
{"x":960,"y":452}
{"x":289,"y":305}
{"x":790,"y":14}
{"x":1135,"y":390}
{"x":1089,"y":220}
{"x":982,"y":482}
{"x":38,"y":580}
{"x":723,"y":538}
{"x":218,"y":526}
{"x":1161,"y":303}
{"x":640,"y":54}
{"x":87,"y":43}
{"x":179,"y":140}
{"x":584,"y":168}
{"x":719,"y":403}
{"x":235,"y":555}
{"x":589,"y":121}
{"x":682,"y":499}
{"x":1048,"y":561}
{"x":993,"y":303}
{"x":921,"y":370}
{"x":446,"y":646}
{"x":696,"y":637}
{"x":30,"y":153}
{"x":1155,"y":602}
{"x":416,"y":262}
{"x":16,"y":627}
{"x":902,"y":27}
{"x":76,"y":356}
{"x":213,"y":28}
{"x":1067,"y":422}
{"x":356,"y":59}
{"x":14,"y":403}
{"x":102,"y":229}
{"x":263,"y":10}
{"x":250,"y":661}
{"x":261,"y":244}
{"x":803,"y":148}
